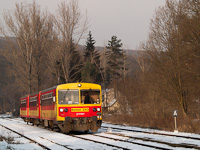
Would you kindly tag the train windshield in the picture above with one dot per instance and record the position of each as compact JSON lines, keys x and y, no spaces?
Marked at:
{"x":90,"y":96}
{"x":68,"y":96}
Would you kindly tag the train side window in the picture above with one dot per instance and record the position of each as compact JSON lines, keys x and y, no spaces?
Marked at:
{"x":47,"y":99}
{"x":23,"y":103}
{"x":33,"y":101}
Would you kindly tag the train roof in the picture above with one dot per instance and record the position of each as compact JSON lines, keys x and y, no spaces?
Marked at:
{"x":46,"y":90}
{"x":25,"y":96}
{"x":60,"y":85}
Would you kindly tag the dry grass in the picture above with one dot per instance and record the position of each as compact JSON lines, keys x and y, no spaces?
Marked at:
{"x":144,"y":105}
{"x":9,"y":140}
{"x":146,"y":120}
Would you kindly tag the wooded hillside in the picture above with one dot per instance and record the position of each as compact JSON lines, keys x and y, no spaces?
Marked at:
{"x":162,"y":77}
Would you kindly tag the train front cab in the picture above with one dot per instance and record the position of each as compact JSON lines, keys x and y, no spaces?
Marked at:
{"x":73,"y":112}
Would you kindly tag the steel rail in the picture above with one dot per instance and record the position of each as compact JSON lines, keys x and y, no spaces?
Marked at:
{"x":181,"y":136}
{"x":155,"y":141}
{"x":43,"y":146}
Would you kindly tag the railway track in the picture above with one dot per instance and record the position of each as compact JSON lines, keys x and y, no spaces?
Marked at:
{"x":151,"y":141}
{"x":156,"y":133}
{"x":43,"y":146}
{"x":95,"y":141}
{"x":175,"y":145}
{"x":123,"y":141}
{"x":59,"y":145}
{"x":104,"y":143}
{"x":120,"y":138}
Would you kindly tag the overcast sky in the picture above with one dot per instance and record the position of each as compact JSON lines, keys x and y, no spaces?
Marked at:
{"x":127,"y":19}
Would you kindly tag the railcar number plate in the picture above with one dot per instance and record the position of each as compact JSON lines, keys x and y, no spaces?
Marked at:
{"x":79,"y":109}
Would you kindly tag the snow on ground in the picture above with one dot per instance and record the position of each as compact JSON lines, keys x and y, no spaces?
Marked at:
{"x":151,"y":130}
{"x":135,"y":140}
{"x":15,"y":141}
{"x":45,"y":137}
{"x":162,"y":138}
{"x":5,"y":115}
{"x":40,"y":135}
{"x":116,"y":142}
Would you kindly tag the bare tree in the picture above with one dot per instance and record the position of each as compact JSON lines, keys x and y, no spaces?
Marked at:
{"x":170,"y":51}
{"x":142,"y":62}
{"x":33,"y":33}
{"x":70,"y":26}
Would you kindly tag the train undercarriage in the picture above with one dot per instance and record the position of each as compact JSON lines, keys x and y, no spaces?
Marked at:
{"x":70,"y":124}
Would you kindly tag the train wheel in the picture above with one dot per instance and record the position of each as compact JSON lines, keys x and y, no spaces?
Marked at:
{"x":46,"y":123}
{"x":51,"y":125}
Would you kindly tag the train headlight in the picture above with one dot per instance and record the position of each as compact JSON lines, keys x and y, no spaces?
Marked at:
{"x":98,"y":109}
{"x":66,"y":110}
{"x":61,"y":110}
{"x":94,"y":109}
{"x":79,"y":85}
